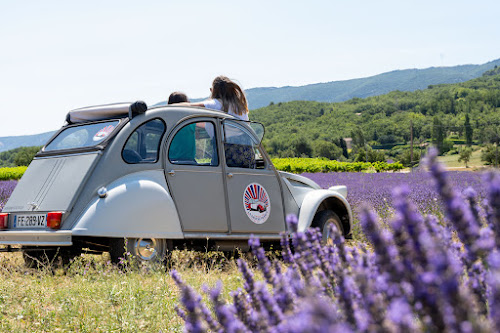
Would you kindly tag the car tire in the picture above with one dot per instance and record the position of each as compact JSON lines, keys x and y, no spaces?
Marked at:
{"x":322,"y":220}
{"x":141,"y":250}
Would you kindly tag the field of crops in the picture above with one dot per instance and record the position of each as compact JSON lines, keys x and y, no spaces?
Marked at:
{"x":12,"y":173}
{"x":312,"y":165}
{"x":405,"y":271}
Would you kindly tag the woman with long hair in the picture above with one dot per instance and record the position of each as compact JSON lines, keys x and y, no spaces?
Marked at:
{"x":227,"y":96}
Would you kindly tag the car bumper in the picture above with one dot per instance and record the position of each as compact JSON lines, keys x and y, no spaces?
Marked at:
{"x":36,"y":238}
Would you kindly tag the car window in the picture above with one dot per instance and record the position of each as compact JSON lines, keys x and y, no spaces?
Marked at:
{"x":82,"y":136}
{"x":194,"y":144}
{"x":241,"y":148}
{"x":143,"y":146}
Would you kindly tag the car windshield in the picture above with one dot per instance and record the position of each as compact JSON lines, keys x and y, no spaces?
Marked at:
{"x":82,"y":136}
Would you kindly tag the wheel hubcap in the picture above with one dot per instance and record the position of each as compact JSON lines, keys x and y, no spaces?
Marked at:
{"x":146,"y":248}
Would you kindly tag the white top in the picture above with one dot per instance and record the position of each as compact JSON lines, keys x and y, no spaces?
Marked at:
{"x":215,"y":104}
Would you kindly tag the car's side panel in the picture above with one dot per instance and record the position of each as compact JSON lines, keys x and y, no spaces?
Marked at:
{"x":311,"y":203}
{"x":136,"y":205}
{"x":245,"y":219}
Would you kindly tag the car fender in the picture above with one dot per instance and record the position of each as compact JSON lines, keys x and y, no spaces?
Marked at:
{"x":312,"y":202}
{"x":136,"y":205}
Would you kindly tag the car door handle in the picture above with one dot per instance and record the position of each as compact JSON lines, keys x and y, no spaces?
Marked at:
{"x":171,"y":173}
{"x":230,"y":175}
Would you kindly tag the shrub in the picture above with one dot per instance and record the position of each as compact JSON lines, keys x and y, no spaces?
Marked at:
{"x":12,"y":173}
{"x":313,"y":165}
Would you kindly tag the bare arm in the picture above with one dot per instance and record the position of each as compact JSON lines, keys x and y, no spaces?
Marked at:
{"x":190,"y":104}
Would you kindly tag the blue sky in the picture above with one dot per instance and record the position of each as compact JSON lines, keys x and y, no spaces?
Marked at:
{"x":60,"y":55}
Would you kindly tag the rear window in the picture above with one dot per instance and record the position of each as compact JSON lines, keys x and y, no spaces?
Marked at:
{"x":82,"y":136}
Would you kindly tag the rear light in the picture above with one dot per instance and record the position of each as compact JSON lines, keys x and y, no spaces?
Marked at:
{"x":4,"y":220}
{"x":54,"y":220}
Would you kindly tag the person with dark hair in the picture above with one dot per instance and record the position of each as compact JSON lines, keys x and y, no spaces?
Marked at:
{"x":177,"y":97}
{"x":226,"y":95}
{"x":183,"y":146}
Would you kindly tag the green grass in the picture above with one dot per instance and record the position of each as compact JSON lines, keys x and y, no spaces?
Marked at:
{"x":94,"y":296}
{"x":451,"y":161}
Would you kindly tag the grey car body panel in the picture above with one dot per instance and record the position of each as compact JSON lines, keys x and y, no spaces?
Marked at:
{"x":142,"y":199}
{"x":51,"y":184}
{"x":38,"y":237}
{"x":236,"y":186}
{"x":136,"y":205}
{"x":198,"y":190}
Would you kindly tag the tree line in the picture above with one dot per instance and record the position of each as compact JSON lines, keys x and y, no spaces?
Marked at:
{"x":21,"y":156}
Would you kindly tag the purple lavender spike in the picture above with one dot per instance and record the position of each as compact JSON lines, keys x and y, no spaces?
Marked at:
{"x":192,"y":302}
{"x":471,"y":195}
{"x":273,"y":310}
{"x":263,"y":262}
{"x":292,"y":222}
{"x":493,"y":181}
{"x":225,"y":316}
{"x":316,"y":315}
{"x":286,"y":252}
{"x":250,"y":285}
{"x":401,"y":314}
{"x":382,"y":243}
{"x":493,"y":281}
{"x":458,"y":213}
{"x":244,"y":311}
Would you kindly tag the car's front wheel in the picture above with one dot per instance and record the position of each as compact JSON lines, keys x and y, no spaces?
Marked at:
{"x":323,"y":220}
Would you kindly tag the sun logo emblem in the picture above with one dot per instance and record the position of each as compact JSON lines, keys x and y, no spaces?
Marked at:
{"x":256,"y":203}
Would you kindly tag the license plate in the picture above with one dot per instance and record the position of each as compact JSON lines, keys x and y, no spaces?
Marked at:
{"x":30,"y":221}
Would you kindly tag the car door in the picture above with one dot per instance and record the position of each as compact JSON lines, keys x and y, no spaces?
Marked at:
{"x":194,"y":175}
{"x":254,"y":192}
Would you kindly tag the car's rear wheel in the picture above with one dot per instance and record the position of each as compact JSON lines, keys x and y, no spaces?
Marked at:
{"x":323,"y":220}
{"x":142,"y":250}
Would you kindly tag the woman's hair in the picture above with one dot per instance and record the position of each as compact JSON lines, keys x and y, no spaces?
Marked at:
{"x":230,"y":95}
{"x":177,"y":97}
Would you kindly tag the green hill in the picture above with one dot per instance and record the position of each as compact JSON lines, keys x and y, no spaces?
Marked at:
{"x":302,"y":128}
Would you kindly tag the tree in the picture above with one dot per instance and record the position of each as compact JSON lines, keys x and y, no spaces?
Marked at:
{"x":465,"y":155}
{"x":326,"y":149}
{"x":405,"y":158}
{"x":343,"y":145}
{"x":490,"y":154}
{"x":438,"y":134}
{"x":468,"y":131}
{"x":302,"y":147}
{"x":370,"y":155}
{"x":25,"y":155}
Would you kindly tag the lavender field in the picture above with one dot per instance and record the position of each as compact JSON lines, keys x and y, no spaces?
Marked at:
{"x":6,"y":188}
{"x":375,"y":189}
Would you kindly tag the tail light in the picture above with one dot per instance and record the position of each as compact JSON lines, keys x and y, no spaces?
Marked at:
{"x":4,"y":220}
{"x":54,"y":220}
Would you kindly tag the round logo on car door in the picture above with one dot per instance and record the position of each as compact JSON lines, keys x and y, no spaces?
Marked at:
{"x":256,"y":203}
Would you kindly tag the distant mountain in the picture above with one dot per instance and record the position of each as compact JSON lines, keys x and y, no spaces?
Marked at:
{"x":339,"y":91}
{"x":11,"y":142}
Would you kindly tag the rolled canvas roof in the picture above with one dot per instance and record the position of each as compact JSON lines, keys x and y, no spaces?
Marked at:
{"x":98,"y":112}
